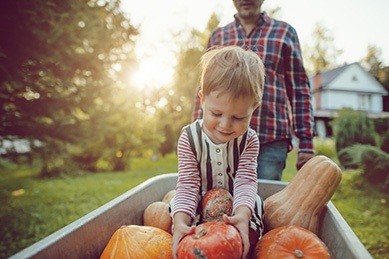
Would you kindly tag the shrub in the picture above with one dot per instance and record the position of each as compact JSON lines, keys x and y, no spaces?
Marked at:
{"x":325,"y":147}
{"x":57,"y":166}
{"x":350,"y":157}
{"x":373,"y":162}
{"x":55,"y":159}
{"x":352,"y":127}
{"x":381,"y":125}
{"x":385,"y":142}
{"x":376,"y":164}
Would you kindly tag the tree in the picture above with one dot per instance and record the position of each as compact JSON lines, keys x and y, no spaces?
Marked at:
{"x":179,"y":99}
{"x":372,"y":61}
{"x":374,"y":65}
{"x":322,"y":55}
{"x":60,"y":72}
{"x":275,"y":12}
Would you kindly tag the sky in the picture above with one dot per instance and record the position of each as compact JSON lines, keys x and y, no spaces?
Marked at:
{"x":354,"y":25}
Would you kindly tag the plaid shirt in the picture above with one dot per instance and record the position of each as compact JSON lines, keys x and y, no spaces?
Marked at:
{"x":286,"y":105}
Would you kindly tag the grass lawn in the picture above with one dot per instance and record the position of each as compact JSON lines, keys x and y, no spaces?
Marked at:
{"x":32,"y":208}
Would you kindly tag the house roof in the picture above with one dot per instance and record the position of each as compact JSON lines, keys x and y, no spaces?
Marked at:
{"x":328,"y":76}
{"x":330,"y":79}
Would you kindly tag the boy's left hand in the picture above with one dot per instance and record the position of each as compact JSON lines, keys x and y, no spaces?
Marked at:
{"x":241,"y":221}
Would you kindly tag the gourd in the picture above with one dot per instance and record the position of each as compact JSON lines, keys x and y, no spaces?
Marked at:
{"x":157,"y":215}
{"x":133,"y":241}
{"x":211,"y":240}
{"x":291,"y":242}
{"x":215,"y":203}
{"x":169,"y":196}
{"x":303,"y":199}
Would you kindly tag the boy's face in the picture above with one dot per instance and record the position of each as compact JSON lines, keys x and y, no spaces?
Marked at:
{"x":225,"y":118}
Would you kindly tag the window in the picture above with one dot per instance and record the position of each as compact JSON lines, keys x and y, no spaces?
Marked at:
{"x":364,"y":102}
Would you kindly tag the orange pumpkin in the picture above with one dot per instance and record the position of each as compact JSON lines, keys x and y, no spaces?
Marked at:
{"x":157,"y":215}
{"x":291,"y":242}
{"x":169,"y":196}
{"x":211,"y":240}
{"x":216,"y":202}
{"x":134,"y":241}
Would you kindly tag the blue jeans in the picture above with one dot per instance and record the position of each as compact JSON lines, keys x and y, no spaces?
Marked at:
{"x":272,"y":159}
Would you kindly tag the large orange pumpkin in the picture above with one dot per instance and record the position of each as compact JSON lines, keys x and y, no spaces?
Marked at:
{"x":135,"y":242}
{"x":216,"y":202}
{"x":290,"y":242}
{"x":211,"y":240}
{"x":157,"y":215}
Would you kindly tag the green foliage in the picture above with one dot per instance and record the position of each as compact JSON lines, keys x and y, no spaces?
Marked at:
{"x":376,"y":164}
{"x":385,"y":142}
{"x":373,"y":162}
{"x":31,"y":208}
{"x":50,"y":88}
{"x":365,"y":209}
{"x":170,"y":138}
{"x":325,"y":147}
{"x":177,"y":113}
{"x":352,"y":127}
{"x":69,"y":86}
{"x":350,"y":157}
{"x":290,"y":167}
{"x":381,"y":125}
{"x":321,"y":55}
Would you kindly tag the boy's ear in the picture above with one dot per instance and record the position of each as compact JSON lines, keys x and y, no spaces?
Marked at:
{"x":201,"y":97}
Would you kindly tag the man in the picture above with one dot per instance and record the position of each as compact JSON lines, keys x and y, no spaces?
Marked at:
{"x":286,"y":108}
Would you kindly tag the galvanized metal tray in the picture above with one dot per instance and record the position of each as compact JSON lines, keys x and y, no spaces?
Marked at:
{"x":88,"y":236}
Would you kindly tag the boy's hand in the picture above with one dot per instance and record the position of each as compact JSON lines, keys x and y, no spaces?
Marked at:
{"x":181,"y":229}
{"x":241,"y":221}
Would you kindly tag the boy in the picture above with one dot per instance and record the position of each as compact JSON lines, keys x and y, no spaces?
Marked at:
{"x":221,"y":150}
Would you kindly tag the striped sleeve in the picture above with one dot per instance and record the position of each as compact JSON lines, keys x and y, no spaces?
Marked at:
{"x":188,"y":183}
{"x":245,"y":184}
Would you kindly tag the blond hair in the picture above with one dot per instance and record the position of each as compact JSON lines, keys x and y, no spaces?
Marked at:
{"x":233,"y":70}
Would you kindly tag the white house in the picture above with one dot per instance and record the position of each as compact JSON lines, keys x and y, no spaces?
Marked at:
{"x":348,"y":86}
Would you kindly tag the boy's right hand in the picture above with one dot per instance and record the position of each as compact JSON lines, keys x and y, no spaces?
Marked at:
{"x":181,"y":228}
{"x":180,"y":231}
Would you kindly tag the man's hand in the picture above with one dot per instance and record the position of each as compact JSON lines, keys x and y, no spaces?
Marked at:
{"x":302,"y":158}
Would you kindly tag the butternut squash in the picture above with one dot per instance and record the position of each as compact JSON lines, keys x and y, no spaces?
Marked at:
{"x":303,"y":199}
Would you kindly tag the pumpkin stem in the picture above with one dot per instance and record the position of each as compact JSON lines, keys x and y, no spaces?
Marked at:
{"x":298,"y":253}
{"x":200,"y":233}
